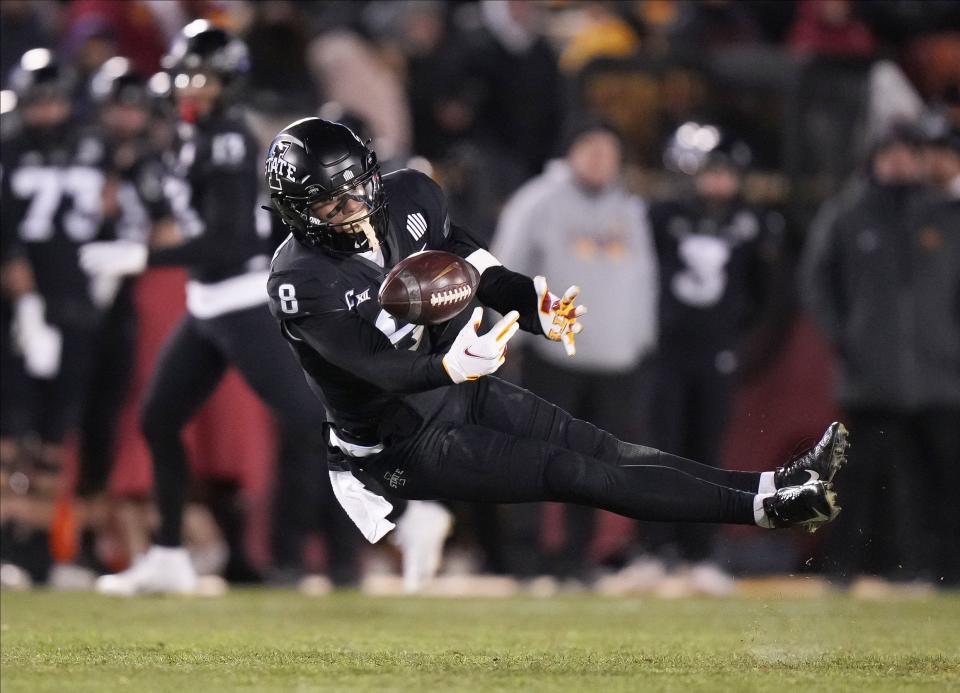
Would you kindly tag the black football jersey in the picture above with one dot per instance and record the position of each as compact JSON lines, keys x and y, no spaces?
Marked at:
{"x":139,"y":173}
{"x":213,"y":194}
{"x":358,"y":358}
{"x":50,"y":204}
{"x":712,"y":269}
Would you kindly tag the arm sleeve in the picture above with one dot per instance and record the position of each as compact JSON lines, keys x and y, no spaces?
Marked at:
{"x":230,"y":175}
{"x":228,"y":213}
{"x":820,"y":272}
{"x":354,"y":345}
{"x":505,"y":290}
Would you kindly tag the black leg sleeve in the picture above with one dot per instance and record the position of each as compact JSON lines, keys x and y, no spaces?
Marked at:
{"x":112,"y":368}
{"x":505,"y":407}
{"x":475,"y":463}
{"x":187,"y":371}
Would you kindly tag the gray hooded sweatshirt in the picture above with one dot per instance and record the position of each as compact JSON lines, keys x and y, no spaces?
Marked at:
{"x":602,"y":243}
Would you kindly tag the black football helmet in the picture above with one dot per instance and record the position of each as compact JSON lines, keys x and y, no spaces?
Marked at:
{"x":317,"y":161}
{"x":116,"y":82}
{"x":202,"y":47}
{"x":39,"y":76}
{"x":695,"y":146}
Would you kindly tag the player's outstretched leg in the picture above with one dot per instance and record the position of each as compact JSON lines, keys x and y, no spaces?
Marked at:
{"x":529,"y":416}
{"x":475,"y":463}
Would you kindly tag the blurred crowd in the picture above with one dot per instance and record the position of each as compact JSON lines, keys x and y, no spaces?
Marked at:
{"x":760,"y":201}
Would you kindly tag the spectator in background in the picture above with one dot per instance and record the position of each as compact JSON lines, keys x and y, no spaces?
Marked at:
{"x":716,"y":259}
{"x":512,"y":77}
{"x":713,"y":24}
{"x":425,"y":48}
{"x":23,"y":25}
{"x":829,"y":27}
{"x":278,"y":69}
{"x":349,"y":69}
{"x":97,"y":30}
{"x":603,"y":34}
{"x":881,"y":276}
{"x":941,"y":156}
{"x":573,"y":222}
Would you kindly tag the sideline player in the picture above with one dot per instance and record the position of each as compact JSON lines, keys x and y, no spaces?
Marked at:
{"x":414,"y":411}
{"x":50,"y":203}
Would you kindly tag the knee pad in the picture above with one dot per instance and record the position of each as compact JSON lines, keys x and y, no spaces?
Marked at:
{"x":583,"y":437}
{"x":565,"y":474}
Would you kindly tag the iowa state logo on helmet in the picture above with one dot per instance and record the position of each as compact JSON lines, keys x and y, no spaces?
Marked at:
{"x":279,"y":169}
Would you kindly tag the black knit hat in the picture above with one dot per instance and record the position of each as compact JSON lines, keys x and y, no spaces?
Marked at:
{"x":585,"y":124}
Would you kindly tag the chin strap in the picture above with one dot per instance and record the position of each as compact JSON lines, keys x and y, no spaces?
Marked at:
{"x":367,"y":228}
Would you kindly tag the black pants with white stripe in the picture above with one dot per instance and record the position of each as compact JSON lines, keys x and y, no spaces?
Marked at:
{"x":491,"y":441}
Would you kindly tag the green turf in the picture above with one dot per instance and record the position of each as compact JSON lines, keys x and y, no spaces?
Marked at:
{"x":280,"y":641}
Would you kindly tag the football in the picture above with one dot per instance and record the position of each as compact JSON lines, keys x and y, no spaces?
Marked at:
{"x":429,"y":287}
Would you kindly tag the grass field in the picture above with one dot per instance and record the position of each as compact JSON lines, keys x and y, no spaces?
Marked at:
{"x":281,"y":641}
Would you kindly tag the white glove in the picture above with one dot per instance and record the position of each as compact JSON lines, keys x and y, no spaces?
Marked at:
{"x":116,"y":258}
{"x":558,"y":316}
{"x":472,"y":355}
{"x":40,"y":343}
{"x":103,"y":289}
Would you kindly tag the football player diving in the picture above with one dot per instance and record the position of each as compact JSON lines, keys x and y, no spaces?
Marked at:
{"x":415,"y":412}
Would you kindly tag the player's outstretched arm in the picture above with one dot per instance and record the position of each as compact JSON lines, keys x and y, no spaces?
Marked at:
{"x":504,"y":290}
{"x":348,"y":342}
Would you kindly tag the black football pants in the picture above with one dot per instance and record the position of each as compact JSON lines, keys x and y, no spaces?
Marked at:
{"x":491,"y":441}
{"x":191,"y":364}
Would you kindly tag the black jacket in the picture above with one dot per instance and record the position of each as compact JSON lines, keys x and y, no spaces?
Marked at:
{"x":881,"y":276}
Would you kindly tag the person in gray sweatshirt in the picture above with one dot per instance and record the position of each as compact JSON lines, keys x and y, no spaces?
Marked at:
{"x":576,"y":223}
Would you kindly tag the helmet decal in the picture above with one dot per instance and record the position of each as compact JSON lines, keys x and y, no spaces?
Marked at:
{"x":279,"y":169}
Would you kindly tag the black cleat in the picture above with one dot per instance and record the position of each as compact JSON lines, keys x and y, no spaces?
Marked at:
{"x":809,"y":506}
{"x":819,"y":463}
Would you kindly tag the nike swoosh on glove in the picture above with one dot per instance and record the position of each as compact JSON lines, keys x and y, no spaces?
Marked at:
{"x":558,"y":316}
{"x":473,"y":356}
{"x":115,"y":258}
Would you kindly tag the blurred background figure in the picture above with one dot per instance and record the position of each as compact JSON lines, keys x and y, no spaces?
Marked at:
{"x":214,"y":193}
{"x":881,"y":275}
{"x":134,"y":209}
{"x":941,"y":157}
{"x":51,"y":203}
{"x":575,"y":223}
{"x":829,"y":27}
{"x":717,"y":259}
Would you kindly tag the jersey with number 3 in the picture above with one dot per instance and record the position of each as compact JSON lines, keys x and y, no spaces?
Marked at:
{"x":50,"y":204}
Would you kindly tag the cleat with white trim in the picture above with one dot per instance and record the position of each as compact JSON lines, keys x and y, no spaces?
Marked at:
{"x":819,"y":463}
{"x":809,"y":506}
